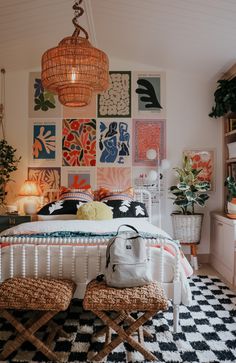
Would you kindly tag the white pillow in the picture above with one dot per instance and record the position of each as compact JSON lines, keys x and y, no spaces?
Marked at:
{"x":42,"y":217}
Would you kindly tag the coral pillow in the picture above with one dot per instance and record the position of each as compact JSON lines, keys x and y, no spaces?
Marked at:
{"x":94,"y":211}
{"x":107,"y":194}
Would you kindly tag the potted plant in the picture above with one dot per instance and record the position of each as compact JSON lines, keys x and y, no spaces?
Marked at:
{"x":230,"y":184}
{"x":188,"y":193}
{"x":225,"y":98}
{"x":8,"y":164}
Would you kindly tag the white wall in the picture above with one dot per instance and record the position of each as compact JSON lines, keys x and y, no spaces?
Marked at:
{"x":189,"y":100}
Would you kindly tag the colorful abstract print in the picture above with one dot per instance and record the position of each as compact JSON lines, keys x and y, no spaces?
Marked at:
{"x":116,"y":101}
{"x":79,"y":180}
{"x":114,"y":142}
{"x":79,"y":142}
{"x":44,"y":141}
{"x":47,"y":178}
{"x":44,"y":100}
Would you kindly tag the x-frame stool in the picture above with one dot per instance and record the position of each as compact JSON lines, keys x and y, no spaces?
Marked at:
{"x":47,"y":297}
{"x":102,"y":299}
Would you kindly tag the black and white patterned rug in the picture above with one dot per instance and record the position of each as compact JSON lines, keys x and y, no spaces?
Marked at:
{"x":207,"y":333}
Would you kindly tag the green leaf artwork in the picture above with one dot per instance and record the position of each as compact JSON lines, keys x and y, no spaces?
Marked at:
{"x":44,"y":100}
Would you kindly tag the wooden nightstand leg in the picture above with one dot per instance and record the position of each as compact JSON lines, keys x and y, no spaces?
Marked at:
{"x":194,"y":261}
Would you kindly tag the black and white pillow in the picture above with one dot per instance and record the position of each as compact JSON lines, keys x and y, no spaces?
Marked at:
{"x":60,"y":207}
{"x":127,"y":208}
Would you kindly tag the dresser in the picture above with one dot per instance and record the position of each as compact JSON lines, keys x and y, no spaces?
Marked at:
{"x":223,"y":246}
{"x":7,"y":220}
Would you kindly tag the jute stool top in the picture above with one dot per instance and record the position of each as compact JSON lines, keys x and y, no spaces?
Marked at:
{"x":25,"y":293}
{"x":99,"y":296}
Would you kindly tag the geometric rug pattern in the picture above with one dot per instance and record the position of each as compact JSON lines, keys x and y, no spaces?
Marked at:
{"x":207,"y":331}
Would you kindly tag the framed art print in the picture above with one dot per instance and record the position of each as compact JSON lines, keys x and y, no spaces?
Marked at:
{"x":204,"y":160}
{"x":79,"y":142}
{"x":42,"y":103}
{"x":114,"y":178}
{"x":114,"y":142}
{"x":116,"y":100}
{"x":44,"y":142}
{"x":47,"y":178}
{"x":149,"y":94}
{"x":77,"y":178}
{"x":148,"y":134}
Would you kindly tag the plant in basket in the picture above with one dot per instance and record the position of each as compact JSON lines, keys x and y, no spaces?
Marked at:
{"x":188,"y":193}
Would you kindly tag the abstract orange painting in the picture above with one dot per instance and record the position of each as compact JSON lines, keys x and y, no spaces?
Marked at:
{"x":203,"y":160}
{"x":148,"y":134}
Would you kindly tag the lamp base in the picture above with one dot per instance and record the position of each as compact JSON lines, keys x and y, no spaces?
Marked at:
{"x":30,"y":208}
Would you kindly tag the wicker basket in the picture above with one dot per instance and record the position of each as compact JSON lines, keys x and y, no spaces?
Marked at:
{"x":187,"y":228}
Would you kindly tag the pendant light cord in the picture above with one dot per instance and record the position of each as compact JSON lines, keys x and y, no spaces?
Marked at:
{"x":2,"y":104}
{"x":78,"y":13}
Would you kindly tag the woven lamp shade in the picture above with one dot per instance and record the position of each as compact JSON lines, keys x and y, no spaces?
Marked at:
{"x":75,"y":70}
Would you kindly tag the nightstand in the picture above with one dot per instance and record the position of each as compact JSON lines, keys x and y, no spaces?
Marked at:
{"x":11,"y":220}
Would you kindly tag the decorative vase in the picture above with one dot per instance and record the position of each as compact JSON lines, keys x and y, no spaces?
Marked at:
{"x":187,"y":227}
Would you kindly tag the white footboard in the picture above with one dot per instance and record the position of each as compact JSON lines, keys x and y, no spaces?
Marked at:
{"x":82,"y":260}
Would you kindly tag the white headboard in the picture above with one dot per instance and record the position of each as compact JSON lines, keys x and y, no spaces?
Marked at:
{"x":141,"y":195}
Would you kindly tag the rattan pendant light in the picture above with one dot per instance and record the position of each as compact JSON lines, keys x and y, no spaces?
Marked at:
{"x":75,"y":69}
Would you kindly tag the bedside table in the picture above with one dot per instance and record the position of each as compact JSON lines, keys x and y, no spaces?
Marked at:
{"x":11,"y":220}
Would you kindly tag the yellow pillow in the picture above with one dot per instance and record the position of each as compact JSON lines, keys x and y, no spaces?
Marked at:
{"x":94,"y":211}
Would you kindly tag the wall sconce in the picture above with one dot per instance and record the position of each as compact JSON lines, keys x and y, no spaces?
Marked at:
{"x":30,"y":189}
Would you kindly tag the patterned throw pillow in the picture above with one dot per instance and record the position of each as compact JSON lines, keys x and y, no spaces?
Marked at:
{"x":126,"y":208}
{"x":106,"y":194}
{"x":82,"y":195}
{"x":61,"y":207}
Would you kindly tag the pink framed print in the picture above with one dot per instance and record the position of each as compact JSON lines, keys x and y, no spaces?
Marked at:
{"x":148,"y":134}
{"x":114,"y":178}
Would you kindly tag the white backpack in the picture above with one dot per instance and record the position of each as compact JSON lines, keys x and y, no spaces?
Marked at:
{"x":127,"y":264}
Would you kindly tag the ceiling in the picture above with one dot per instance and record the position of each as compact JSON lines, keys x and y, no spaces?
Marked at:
{"x":196,"y":36}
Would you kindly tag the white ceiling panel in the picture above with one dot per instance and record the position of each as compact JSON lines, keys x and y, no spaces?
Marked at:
{"x":189,"y":35}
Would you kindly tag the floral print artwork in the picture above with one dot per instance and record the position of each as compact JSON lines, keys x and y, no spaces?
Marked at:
{"x":204,"y":160}
{"x":116,"y":101}
{"x":47,"y":178}
{"x":44,"y":141}
{"x":79,"y":142}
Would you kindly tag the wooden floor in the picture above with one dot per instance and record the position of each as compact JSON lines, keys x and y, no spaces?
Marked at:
{"x":206,"y":269}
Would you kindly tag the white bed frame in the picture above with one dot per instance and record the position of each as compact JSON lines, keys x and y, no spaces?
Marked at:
{"x":64,"y":258}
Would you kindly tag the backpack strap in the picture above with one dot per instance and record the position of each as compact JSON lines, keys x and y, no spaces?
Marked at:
{"x":127,"y":225}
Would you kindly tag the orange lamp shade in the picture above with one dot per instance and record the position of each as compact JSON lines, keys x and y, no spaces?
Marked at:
{"x":30,"y":188}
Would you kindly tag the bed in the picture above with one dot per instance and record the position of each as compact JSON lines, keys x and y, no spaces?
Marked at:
{"x":76,"y":249}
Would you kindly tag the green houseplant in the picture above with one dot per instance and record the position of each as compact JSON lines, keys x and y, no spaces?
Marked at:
{"x":187,"y":193}
{"x":225,"y":98}
{"x":8,"y":164}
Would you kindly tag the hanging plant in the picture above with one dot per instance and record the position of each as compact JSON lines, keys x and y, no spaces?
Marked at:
{"x":225,"y":98}
{"x":8,"y":164}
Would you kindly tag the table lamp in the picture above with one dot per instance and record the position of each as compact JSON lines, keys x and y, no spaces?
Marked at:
{"x":30,"y":189}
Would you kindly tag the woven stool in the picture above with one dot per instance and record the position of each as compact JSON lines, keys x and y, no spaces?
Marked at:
{"x":101,"y":299}
{"x":49,"y":296}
